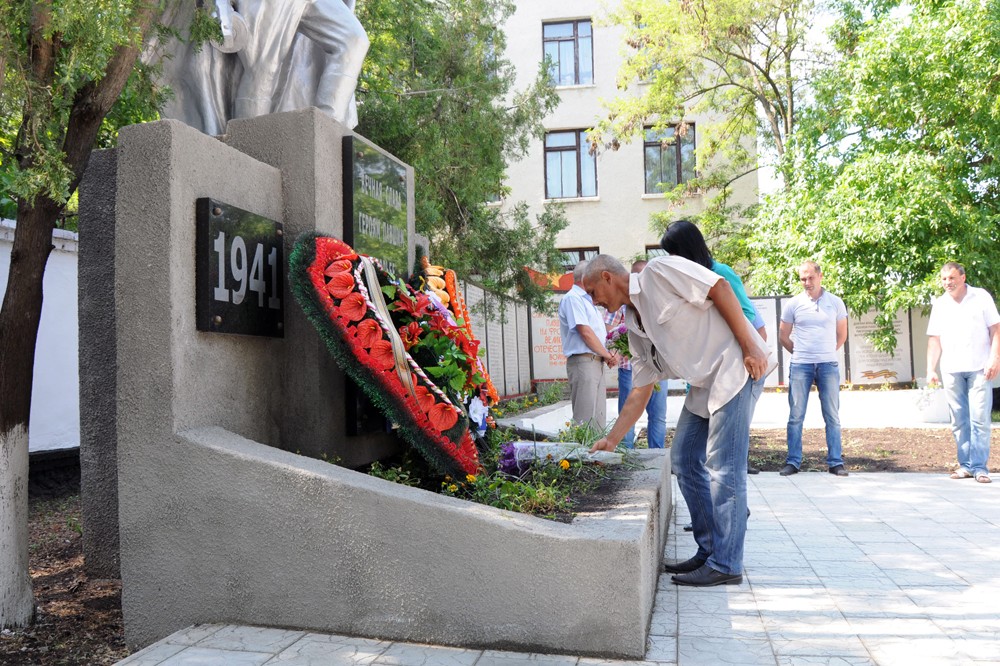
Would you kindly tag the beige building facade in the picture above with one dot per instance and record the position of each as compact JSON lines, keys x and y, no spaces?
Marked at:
{"x":610,"y":197}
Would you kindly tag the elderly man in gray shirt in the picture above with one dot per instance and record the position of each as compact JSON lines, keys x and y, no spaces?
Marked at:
{"x":684,"y":321}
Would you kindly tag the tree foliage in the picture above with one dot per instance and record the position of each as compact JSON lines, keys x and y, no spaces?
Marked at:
{"x":437,"y":92}
{"x":893,"y":170}
{"x":740,"y":62}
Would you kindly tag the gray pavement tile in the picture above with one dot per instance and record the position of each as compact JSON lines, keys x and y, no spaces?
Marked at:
{"x":330,"y":650}
{"x":840,"y":645}
{"x":201,"y":656}
{"x":251,"y":639}
{"x":413,"y":654}
{"x":699,"y":651}
{"x":661,"y":648}
{"x":500,"y":658}
{"x":808,"y":660}
{"x":152,"y":655}
{"x":733,"y":625}
{"x":193,"y":634}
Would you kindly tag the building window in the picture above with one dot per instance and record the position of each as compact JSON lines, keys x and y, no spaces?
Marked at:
{"x":669,"y":157}
{"x":569,"y":48}
{"x":574,"y":255}
{"x":655,"y":251}
{"x":570,"y":167}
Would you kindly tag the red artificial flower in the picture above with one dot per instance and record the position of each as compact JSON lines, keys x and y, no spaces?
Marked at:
{"x":414,"y":304}
{"x":368,"y":332}
{"x":337,"y":267}
{"x":382,"y":356}
{"x":340,"y":285}
{"x":410,"y":334}
{"x":442,"y":416}
{"x":353,"y":306}
{"x":425,"y":399}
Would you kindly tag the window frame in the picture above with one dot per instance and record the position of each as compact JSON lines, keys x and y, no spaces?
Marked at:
{"x":578,"y":148}
{"x":676,"y":145}
{"x":576,"y":51}
{"x":582,"y":254}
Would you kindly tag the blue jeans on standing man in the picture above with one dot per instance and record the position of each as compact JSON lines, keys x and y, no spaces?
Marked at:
{"x":656,"y":412}
{"x":970,"y":401}
{"x":709,"y":457}
{"x":801,"y":377}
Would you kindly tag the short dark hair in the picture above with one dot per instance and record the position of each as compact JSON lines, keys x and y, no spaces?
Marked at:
{"x":954,"y":264}
{"x":683,"y":238}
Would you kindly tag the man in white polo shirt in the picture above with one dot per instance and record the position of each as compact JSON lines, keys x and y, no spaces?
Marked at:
{"x":813,"y":327}
{"x":962,"y":334}
{"x":581,"y":327}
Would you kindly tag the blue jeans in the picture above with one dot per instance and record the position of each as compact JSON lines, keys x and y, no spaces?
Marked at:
{"x":801,"y":377}
{"x":970,"y":401}
{"x":656,"y":412}
{"x":709,"y":457}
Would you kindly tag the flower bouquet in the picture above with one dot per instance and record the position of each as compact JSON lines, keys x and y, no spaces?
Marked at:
{"x":403,"y":348}
{"x":617,"y":341}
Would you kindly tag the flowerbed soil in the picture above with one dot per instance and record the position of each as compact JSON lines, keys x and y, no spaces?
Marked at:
{"x":79,"y":620}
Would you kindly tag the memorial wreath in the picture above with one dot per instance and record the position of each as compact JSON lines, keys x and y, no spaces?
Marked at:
{"x":411,"y":351}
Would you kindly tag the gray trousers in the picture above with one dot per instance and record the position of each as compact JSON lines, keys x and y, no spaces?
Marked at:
{"x":587,"y":389}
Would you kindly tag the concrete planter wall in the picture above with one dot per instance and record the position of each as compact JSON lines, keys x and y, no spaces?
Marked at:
{"x":263,"y":537}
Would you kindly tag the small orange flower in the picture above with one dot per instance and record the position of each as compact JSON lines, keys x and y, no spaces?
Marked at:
{"x":471,"y":478}
{"x":564,"y":463}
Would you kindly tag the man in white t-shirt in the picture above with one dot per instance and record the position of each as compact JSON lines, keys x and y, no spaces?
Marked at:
{"x":813,"y":328}
{"x":962,"y":334}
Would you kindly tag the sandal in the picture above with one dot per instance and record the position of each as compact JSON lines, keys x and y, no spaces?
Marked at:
{"x":983,"y":478}
{"x":961,"y":473}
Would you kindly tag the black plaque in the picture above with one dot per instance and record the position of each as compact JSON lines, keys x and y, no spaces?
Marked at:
{"x":376,"y":204}
{"x":239,"y":269}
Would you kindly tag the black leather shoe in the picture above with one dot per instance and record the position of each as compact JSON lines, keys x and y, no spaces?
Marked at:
{"x":706,"y":576}
{"x":788,"y":470}
{"x":684,"y":567}
{"x":838,"y":470}
{"x":753,"y":470}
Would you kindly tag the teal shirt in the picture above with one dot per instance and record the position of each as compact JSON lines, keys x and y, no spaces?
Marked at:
{"x":737,"y":284}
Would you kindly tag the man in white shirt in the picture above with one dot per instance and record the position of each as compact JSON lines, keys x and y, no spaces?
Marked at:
{"x":962,"y":334}
{"x":813,"y":328}
{"x":581,"y":327}
{"x":685,"y":322}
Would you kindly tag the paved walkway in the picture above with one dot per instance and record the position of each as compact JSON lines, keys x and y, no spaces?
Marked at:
{"x":871,"y":569}
{"x":858,"y":409}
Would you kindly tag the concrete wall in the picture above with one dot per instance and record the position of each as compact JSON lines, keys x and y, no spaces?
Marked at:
{"x":249,"y":534}
{"x":55,"y":413}
{"x":98,"y":367}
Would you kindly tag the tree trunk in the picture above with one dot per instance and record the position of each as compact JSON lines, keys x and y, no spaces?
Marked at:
{"x":16,"y":602}
{"x":19,"y":318}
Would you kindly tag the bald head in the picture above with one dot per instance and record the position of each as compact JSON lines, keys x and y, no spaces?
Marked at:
{"x":606,"y":280}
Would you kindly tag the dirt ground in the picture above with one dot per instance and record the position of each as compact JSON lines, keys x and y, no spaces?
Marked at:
{"x":79,"y":621}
